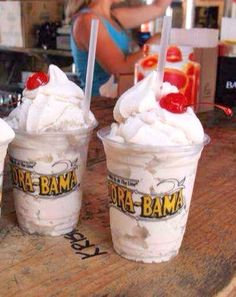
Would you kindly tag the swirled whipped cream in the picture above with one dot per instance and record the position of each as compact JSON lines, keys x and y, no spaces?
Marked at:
{"x":55,"y":106}
{"x":141,"y":120}
{"x":6,"y":134}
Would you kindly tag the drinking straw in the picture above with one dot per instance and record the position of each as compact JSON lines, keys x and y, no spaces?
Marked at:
{"x":165,"y":37}
{"x":90,"y":65}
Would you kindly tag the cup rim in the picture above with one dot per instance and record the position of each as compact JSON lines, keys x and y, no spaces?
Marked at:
{"x":59,"y":133}
{"x":102,"y":135}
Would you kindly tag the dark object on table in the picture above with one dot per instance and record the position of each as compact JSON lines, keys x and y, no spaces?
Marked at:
{"x":226,"y":81}
{"x":46,"y":35}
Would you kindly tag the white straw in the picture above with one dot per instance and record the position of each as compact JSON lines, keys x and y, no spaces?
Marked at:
{"x":165,"y":37}
{"x":90,"y":65}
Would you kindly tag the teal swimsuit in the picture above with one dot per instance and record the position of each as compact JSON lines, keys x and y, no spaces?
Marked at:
{"x":80,"y":57}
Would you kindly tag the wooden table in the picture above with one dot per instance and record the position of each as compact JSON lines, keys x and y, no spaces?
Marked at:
{"x":32,"y":265}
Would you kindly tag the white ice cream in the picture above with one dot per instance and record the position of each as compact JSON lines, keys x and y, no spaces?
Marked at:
{"x":157,"y":167}
{"x":6,"y":133}
{"x":47,"y":163}
{"x":141,"y":120}
{"x":56,"y":106}
{"x":6,"y":136}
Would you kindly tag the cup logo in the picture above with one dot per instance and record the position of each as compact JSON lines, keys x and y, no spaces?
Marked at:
{"x":63,"y":181}
{"x":167,"y":201}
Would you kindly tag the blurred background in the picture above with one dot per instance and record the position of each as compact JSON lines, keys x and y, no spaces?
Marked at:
{"x":33,"y":35}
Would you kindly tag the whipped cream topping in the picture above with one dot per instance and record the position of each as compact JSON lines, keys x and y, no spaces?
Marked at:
{"x":141,"y":120}
{"x":7,"y":134}
{"x":56,"y":106}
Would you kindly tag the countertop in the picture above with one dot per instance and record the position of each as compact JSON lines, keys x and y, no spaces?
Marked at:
{"x":32,"y":265}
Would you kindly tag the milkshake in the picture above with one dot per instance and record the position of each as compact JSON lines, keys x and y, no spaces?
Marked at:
{"x":152,"y":154}
{"x":6,"y":136}
{"x":48,"y":156}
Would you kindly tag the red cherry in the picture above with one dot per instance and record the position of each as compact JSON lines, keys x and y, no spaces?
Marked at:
{"x":36,"y":80}
{"x":174,"y":102}
{"x":178,"y":103}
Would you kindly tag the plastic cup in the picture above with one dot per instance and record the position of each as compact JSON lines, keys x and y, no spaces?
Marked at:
{"x":150,"y":190}
{"x":47,"y":174}
{"x":3,"y":151}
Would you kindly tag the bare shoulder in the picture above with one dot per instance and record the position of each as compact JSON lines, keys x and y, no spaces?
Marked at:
{"x":83,"y":20}
{"x":81,"y":28}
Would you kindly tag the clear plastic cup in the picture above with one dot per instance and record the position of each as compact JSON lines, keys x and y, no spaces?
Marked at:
{"x":47,"y":174}
{"x":3,"y":152}
{"x":150,"y":190}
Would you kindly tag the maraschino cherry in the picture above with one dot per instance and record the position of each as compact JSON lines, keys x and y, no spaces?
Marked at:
{"x":36,"y":80}
{"x":174,"y":102}
{"x":178,"y":103}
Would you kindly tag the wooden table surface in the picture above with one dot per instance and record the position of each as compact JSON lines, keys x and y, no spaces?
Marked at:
{"x":32,"y":265}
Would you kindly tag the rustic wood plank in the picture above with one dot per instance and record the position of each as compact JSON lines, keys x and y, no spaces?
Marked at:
{"x":33,"y":265}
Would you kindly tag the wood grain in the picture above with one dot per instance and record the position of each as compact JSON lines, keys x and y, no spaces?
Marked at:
{"x":35,"y":266}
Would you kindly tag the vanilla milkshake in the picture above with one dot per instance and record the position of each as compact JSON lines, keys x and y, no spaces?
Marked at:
{"x":48,"y":156}
{"x":152,"y":157}
{"x":6,"y":136}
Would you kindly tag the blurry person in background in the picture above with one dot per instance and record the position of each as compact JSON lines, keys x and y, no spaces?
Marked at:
{"x":112,"y":55}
